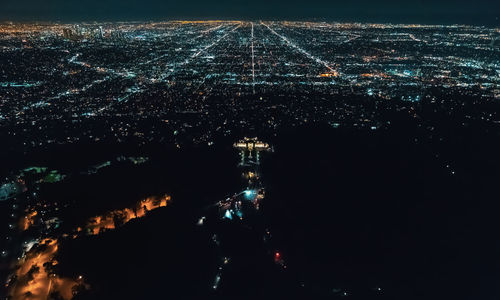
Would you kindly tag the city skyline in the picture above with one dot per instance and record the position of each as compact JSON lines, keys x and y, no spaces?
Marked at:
{"x":482,"y":12}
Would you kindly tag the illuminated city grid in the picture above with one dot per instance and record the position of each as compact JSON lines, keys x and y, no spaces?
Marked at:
{"x":222,"y":76}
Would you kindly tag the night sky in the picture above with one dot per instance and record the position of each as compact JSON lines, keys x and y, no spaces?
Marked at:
{"x":482,"y":12}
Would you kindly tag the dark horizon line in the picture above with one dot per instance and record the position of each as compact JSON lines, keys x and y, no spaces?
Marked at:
{"x":401,"y":20}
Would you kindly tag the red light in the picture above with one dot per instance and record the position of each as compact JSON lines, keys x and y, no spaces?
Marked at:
{"x":277,"y":255}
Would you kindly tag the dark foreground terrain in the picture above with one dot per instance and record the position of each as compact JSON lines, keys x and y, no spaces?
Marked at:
{"x":363,"y":215}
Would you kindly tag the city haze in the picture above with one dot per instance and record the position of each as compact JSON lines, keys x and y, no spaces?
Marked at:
{"x":482,"y":12}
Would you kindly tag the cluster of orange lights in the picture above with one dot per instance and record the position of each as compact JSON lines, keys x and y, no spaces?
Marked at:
{"x":371,"y":75}
{"x":206,"y":21}
{"x":34,"y":279}
{"x":107,"y":221}
{"x":34,"y":282}
{"x":28,"y":220}
{"x":329,"y":74}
